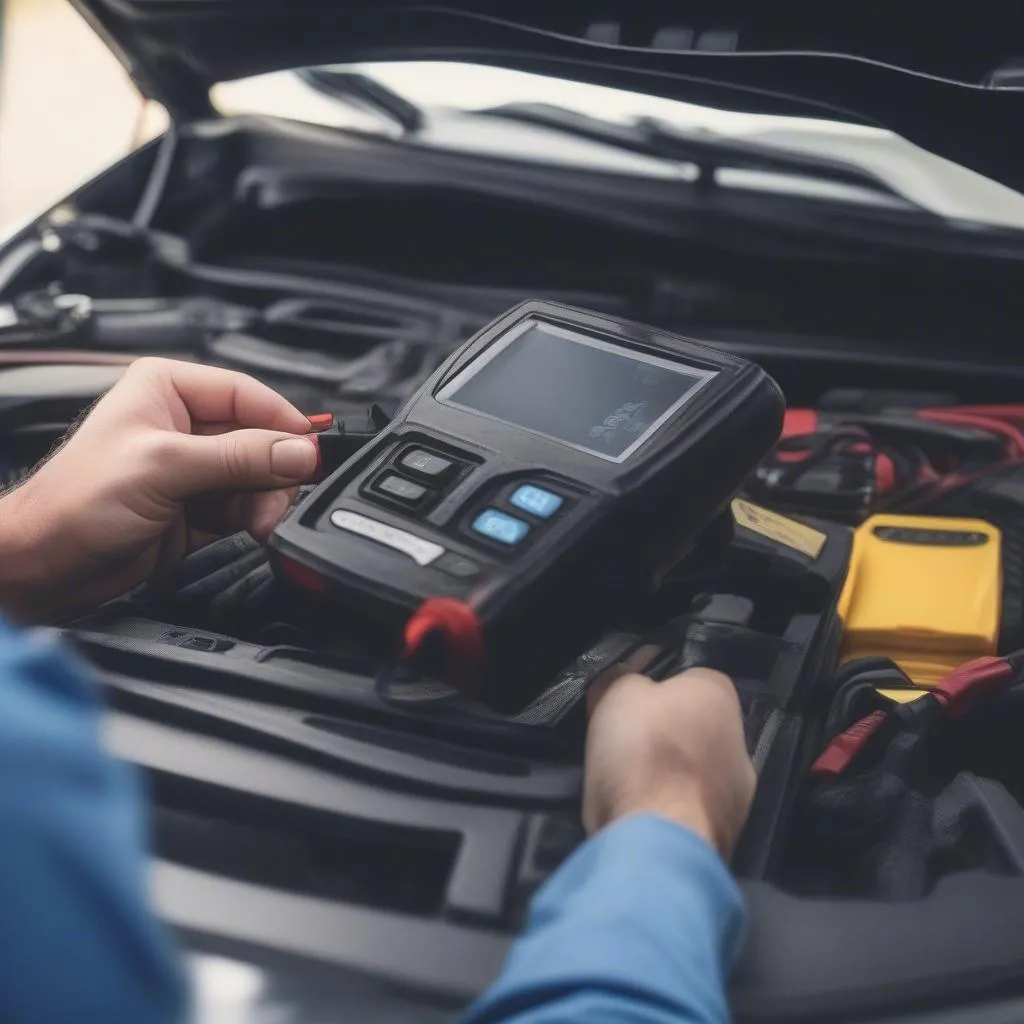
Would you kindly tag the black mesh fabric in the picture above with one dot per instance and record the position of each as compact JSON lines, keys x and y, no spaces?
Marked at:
{"x":571,"y":686}
{"x":891,"y":832}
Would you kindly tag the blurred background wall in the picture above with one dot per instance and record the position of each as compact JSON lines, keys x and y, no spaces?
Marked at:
{"x":67,"y":108}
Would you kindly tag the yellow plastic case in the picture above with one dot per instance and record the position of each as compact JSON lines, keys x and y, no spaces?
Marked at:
{"x":924,"y":591}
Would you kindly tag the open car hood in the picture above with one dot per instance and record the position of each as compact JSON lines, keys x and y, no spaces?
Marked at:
{"x":941,"y":79}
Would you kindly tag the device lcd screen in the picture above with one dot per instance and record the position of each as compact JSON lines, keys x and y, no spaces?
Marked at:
{"x":590,"y":394}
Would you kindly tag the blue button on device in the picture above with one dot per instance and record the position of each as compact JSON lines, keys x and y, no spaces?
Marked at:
{"x":498,"y":526}
{"x":537,"y":501}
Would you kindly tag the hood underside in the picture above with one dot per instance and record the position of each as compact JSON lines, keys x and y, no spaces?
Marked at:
{"x":943,"y":81}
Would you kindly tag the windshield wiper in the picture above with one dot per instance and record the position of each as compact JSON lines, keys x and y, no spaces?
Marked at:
{"x":365,"y":92}
{"x":649,"y":136}
{"x":646,"y":136}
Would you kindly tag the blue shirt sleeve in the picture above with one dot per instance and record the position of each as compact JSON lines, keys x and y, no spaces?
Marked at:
{"x":77,"y":941}
{"x":640,"y":926}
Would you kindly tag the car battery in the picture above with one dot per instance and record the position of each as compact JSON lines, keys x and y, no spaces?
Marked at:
{"x":924,"y":591}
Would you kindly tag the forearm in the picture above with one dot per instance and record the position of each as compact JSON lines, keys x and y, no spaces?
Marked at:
{"x":642,"y":924}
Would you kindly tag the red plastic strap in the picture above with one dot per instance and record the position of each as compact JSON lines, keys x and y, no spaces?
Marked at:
{"x":302,"y":574}
{"x":972,"y":682}
{"x":799,"y":421}
{"x":458,"y":625}
{"x":836,"y":757}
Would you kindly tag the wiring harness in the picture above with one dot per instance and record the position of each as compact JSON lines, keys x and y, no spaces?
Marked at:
{"x":848,"y":465}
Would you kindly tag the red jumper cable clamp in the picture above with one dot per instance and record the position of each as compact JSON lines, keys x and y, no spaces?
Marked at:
{"x":953,"y":696}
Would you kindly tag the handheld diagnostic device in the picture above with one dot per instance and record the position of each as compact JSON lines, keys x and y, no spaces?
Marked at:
{"x":529,"y":494}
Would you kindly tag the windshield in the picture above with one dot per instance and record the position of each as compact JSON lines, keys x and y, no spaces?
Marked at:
{"x":458,"y":101}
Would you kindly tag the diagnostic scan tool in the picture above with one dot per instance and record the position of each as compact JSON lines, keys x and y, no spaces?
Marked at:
{"x":529,"y":495}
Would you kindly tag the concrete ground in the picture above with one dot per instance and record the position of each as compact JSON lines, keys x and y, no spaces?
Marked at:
{"x":67,"y":109}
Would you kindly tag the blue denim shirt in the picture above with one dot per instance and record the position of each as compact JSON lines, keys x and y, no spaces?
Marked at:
{"x":77,"y":942}
{"x":640,"y":926}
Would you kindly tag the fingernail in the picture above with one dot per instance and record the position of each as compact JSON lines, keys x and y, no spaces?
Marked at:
{"x":294,"y":458}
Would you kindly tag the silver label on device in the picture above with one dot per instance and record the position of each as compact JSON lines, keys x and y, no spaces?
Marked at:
{"x":421,"y":551}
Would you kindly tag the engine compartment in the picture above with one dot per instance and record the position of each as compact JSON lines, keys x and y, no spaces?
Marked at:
{"x":341,"y":276}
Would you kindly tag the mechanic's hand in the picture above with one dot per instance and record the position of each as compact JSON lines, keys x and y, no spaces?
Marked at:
{"x":173,"y":453}
{"x":675,"y":749}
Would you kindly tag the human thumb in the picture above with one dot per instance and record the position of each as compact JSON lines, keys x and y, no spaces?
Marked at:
{"x":247,"y":460}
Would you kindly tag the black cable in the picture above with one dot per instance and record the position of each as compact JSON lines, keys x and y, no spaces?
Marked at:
{"x":870,"y":664}
{"x":908,"y":489}
{"x":819,"y":447}
{"x":156,"y":183}
{"x":18,"y":259}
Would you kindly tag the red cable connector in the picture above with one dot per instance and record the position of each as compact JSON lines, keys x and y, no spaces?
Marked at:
{"x":885,"y":473}
{"x":959,"y":691}
{"x":320,"y":421}
{"x":842,"y":749}
{"x":798,"y":422}
{"x":458,"y":627}
{"x":956,"y":694}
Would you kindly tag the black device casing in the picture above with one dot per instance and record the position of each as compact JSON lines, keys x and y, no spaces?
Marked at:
{"x":622,"y":523}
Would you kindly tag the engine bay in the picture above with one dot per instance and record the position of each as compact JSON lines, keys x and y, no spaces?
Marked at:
{"x":341,"y":277}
